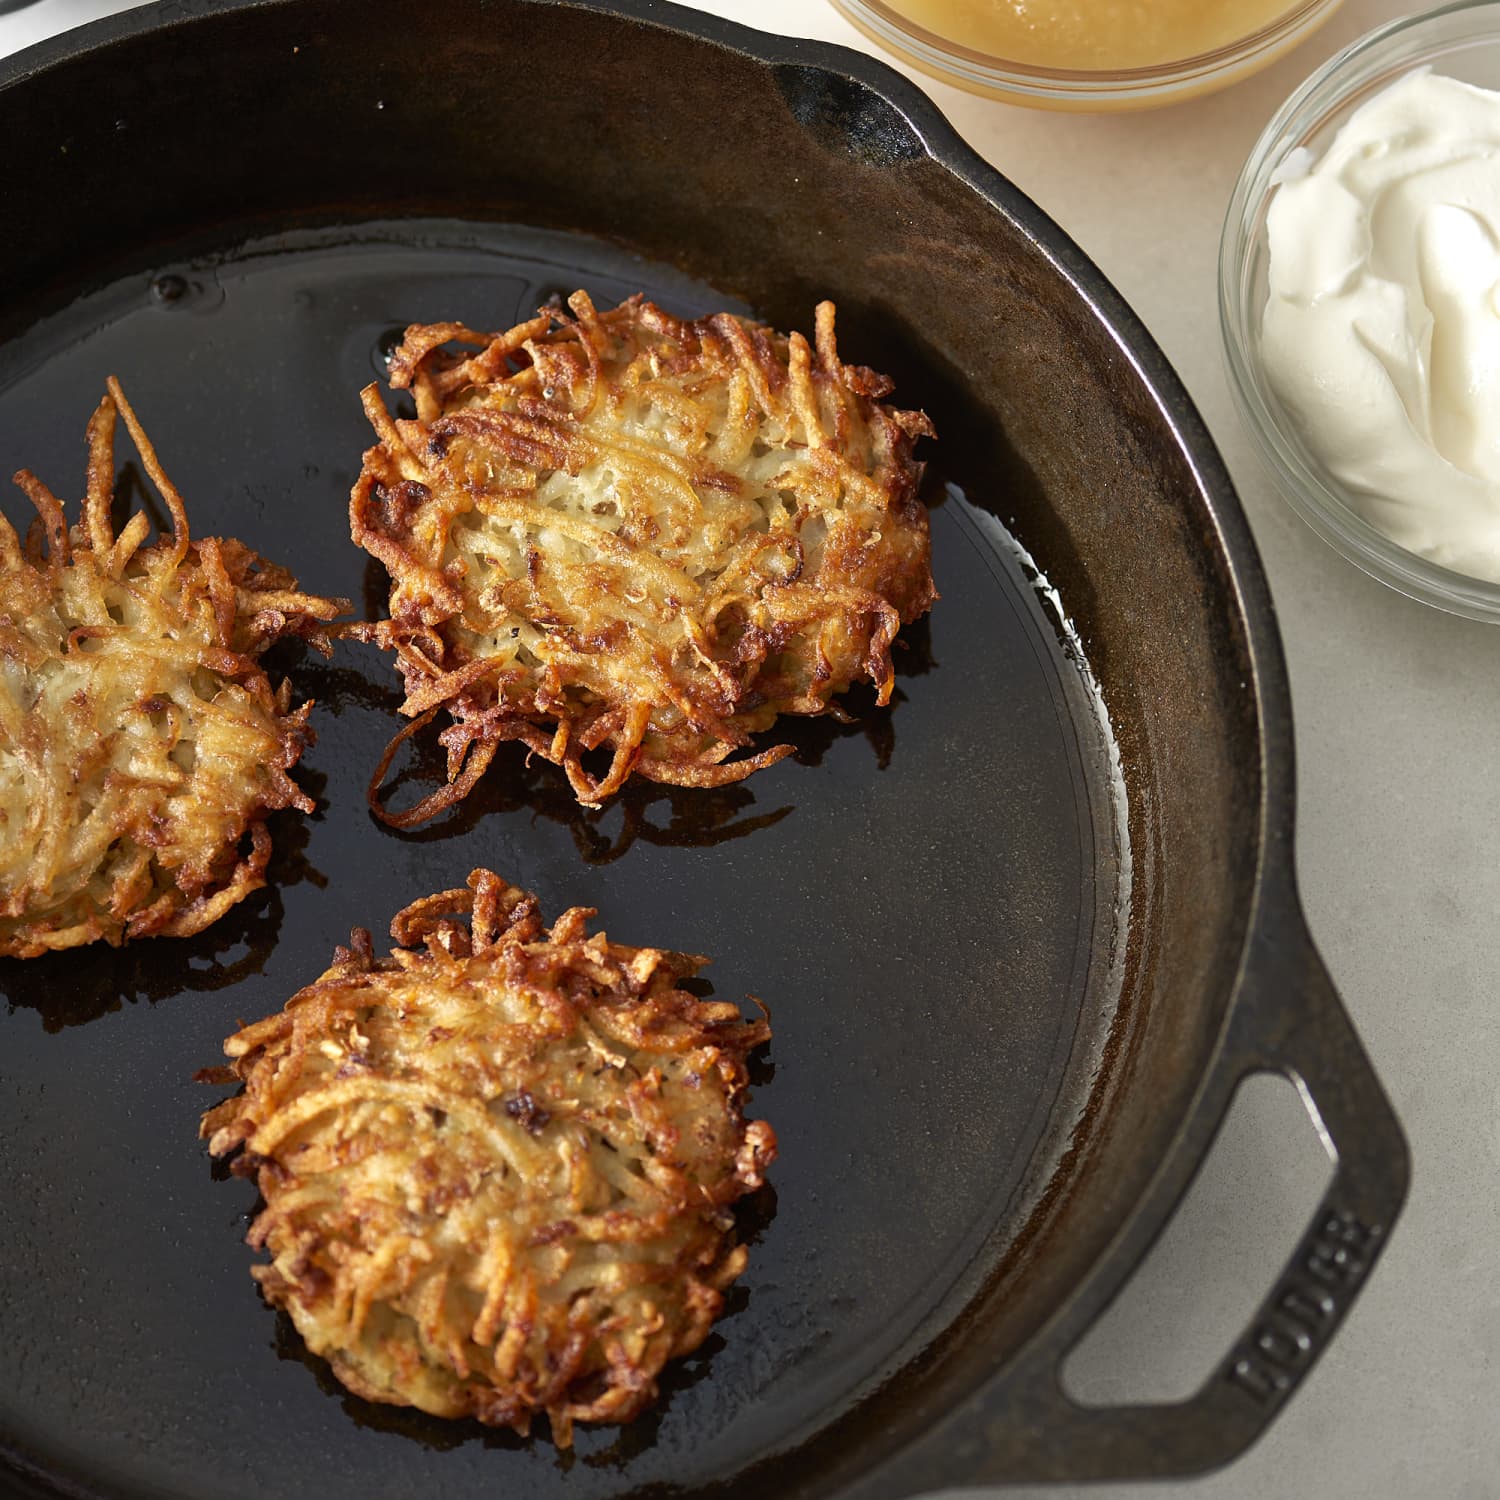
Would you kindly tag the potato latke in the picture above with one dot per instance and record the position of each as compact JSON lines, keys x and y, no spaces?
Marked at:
{"x":622,"y":531}
{"x":497,"y":1164}
{"x":141,"y":744}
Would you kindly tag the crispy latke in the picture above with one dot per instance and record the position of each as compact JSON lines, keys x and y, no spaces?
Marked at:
{"x":497,"y":1164}
{"x":141,"y":744}
{"x":621,"y":530}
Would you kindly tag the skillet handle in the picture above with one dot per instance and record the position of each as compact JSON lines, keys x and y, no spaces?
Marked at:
{"x":1294,"y":1023}
{"x":1288,"y":1019}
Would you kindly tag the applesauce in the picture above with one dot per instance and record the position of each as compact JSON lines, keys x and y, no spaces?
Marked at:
{"x":1091,"y":35}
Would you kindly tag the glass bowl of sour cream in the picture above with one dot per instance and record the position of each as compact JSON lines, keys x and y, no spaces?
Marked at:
{"x":1084,"y":54}
{"x":1359,"y":298}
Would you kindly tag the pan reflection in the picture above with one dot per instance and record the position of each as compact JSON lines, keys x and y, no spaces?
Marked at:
{"x":665,"y":816}
{"x":75,"y":987}
{"x":401,"y":1421}
{"x":82,"y":984}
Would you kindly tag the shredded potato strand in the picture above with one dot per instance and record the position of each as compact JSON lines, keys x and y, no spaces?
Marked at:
{"x":621,"y":530}
{"x":497,"y":1164}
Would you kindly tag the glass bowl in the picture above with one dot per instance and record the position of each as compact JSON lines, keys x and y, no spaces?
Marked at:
{"x":1072,"y":89}
{"x":1461,"y":40}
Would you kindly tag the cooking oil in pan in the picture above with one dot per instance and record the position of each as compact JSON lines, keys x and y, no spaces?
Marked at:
{"x":929,"y":901}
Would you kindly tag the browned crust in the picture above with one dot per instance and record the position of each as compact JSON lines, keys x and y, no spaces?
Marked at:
{"x":757,"y":543}
{"x":497,"y":1164}
{"x":119,"y":663}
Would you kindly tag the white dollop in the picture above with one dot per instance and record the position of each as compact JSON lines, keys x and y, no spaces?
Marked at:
{"x":1381,"y":334}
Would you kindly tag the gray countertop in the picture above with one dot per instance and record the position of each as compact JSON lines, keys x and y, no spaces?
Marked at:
{"x":1398,"y":739}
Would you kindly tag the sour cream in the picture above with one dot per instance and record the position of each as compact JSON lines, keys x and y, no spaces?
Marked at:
{"x":1381,"y":333}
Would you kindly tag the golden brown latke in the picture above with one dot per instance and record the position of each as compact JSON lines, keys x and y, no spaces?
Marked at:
{"x":497,"y":1164}
{"x":627,"y":531}
{"x":141,"y":744}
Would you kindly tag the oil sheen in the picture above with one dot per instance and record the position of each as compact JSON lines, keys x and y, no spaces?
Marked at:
{"x":1091,"y":34}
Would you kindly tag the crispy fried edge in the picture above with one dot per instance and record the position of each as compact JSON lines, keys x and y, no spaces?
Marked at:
{"x":255,"y":604}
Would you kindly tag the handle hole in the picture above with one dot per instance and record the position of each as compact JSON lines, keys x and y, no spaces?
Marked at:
{"x":1223,"y":1250}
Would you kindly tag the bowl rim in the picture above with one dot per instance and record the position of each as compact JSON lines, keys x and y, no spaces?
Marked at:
{"x":1315,"y":495}
{"x":972,"y":67}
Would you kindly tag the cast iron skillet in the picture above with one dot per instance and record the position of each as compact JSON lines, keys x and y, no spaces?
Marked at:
{"x":1020,"y":947}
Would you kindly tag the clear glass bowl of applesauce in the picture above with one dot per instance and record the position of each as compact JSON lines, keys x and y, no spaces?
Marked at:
{"x":1084,"y":55}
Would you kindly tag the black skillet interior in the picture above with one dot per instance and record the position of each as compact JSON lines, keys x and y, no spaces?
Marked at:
{"x":976,"y":1071}
{"x":859,"y":889}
